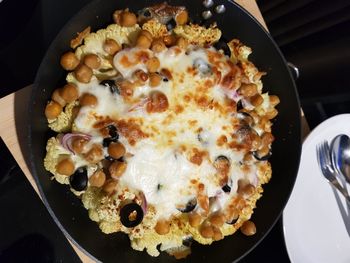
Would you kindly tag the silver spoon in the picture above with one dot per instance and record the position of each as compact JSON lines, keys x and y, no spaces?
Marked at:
{"x":340,"y":153}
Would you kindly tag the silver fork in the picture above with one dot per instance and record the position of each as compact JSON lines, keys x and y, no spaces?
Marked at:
{"x":325,"y":163}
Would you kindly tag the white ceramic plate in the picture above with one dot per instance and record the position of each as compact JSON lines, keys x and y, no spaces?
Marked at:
{"x":316,"y":220}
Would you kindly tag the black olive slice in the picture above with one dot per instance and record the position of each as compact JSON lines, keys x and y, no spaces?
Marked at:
{"x":146,"y":13}
{"x":221,"y":44}
{"x":187,"y":241}
{"x":114,"y":136}
{"x":171,"y":24}
{"x":112,"y":86}
{"x":107,"y":141}
{"x":245,"y":133}
{"x":221,"y":162}
{"x":109,"y":158}
{"x":226,"y":188}
{"x":113,"y":131}
{"x":191,"y":205}
{"x":234,"y":220}
{"x":239,"y":105}
{"x":131,"y":215}
{"x":79,"y":180}
{"x":262,"y":158}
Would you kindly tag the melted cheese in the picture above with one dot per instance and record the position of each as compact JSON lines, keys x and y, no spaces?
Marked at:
{"x":160,"y":164}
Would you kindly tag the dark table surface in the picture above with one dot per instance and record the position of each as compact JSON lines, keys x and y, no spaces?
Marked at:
{"x":28,"y":233}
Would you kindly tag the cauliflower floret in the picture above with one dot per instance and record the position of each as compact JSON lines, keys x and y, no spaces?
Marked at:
{"x":198,"y":35}
{"x":156,"y":28}
{"x":54,"y":153}
{"x":63,"y":122}
{"x":239,"y":52}
{"x":253,"y":74}
{"x":93,"y":43}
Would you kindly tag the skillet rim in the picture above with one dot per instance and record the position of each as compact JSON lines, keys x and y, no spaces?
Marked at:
{"x":30,"y":127}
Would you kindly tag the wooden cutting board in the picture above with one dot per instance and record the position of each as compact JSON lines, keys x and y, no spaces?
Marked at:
{"x":14,"y":115}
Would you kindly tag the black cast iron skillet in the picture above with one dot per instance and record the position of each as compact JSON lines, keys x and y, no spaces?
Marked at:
{"x":67,"y":210}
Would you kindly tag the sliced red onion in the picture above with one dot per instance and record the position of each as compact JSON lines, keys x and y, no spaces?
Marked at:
{"x":139,"y":105}
{"x":232,"y":94}
{"x":66,"y":140}
{"x":255,"y":180}
{"x":144,"y":203}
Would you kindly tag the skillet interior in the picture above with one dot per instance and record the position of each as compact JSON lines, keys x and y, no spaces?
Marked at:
{"x":68,"y":211}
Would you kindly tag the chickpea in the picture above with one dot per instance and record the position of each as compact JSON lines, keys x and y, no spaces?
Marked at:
{"x":111,"y":46}
{"x":78,"y":145}
{"x":166,"y":72}
{"x":158,"y":46}
{"x":194,"y":219}
{"x":181,"y":18}
{"x":263,"y":151}
{"x":203,"y":202}
{"x":222,"y":165}
{"x":52,"y":110}
{"x":267,"y":138}
{"x":217,"y":234}
{"x":83,"y":73}
{"x":231,"y":215}
{"x":141,"y":75}
{"x":65,"y":167}
{"x":88,"y":99}
{"x":206,"y":231}
{"x":162,"y":227}
{"x":69,"y":92}
{"x":116,"y":150}
{"x":240,"y":203}
{"x":182,"y":42}
{"x":158,"y":102}
{"x":143,"y":42}
{"x":245,"y":188}
{"x":248,"y":157}
{"x":75,"y":111}
{"x":274,"y":100}
{"x":110,"y":186}
{"x":127,"y":19}
{"x":147,"y":34}
{"x":248,"y":228}
{"x":255,"y":142}
{"x":95,"y":154}
{"x":97,"y":179}
{"x":57,"y":97}
{"x":69,"y":61}
{"x":92,"y":61}
{"x":271,"y":114}
{"x":116,"y":169}
{"x":126,"y":88}
{"x":154,"y":79}
{"x":153,"y":64}
{"x":217,"y":220}
{"x":256,"y":100}
{"x":169,"y":40}
{"x":248,"y":90}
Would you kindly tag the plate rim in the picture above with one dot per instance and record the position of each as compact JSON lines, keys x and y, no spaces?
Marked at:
{"x":321,"y":126}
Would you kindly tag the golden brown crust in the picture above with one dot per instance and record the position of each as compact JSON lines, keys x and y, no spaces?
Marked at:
{"x":78,"y":40}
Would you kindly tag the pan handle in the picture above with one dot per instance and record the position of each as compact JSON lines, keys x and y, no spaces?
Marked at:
{"x":293,"y":70}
